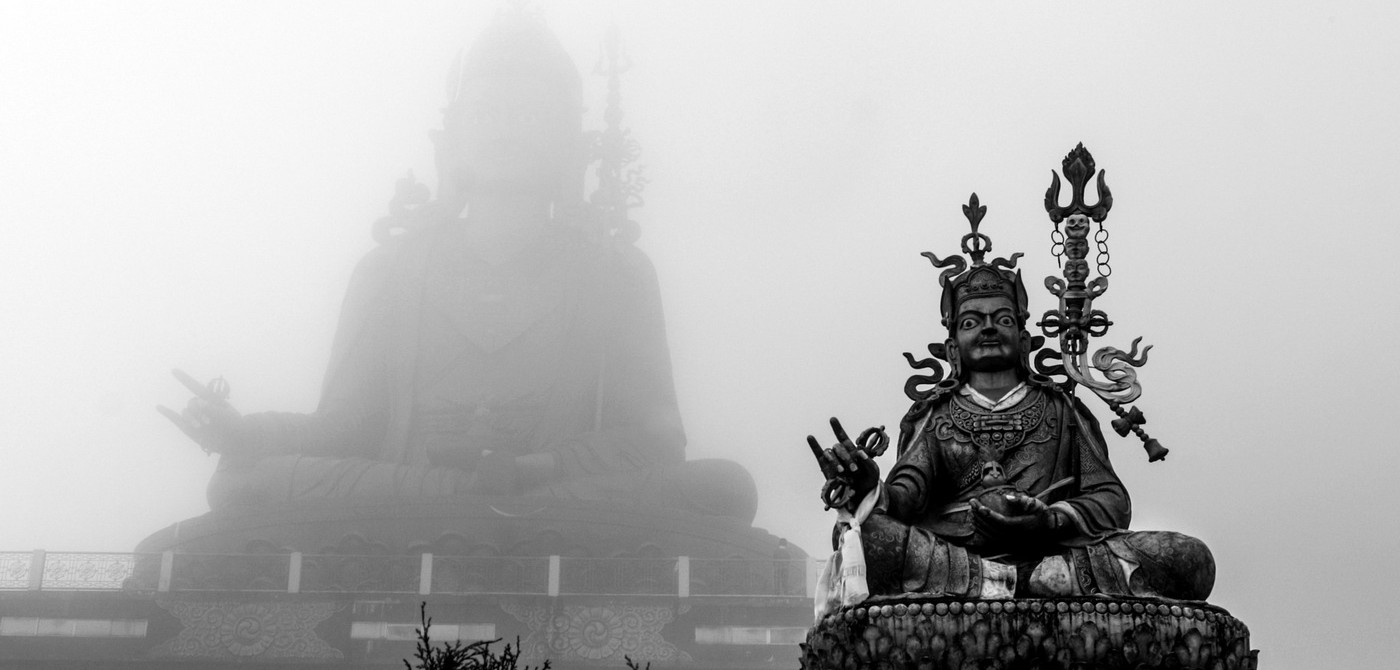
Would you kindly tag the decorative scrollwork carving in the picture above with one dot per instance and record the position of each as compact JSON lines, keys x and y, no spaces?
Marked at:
{"x":241,"y":631}
{"x":1006,"y":263}
{"x":935,"y":365}
{"x":955,"y":264}
{"x":593,"y":634}
{"x":1043,"y":367}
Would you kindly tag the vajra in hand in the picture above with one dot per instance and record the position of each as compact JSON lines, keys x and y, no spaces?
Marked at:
{"x":849,"y":466}
{"x":208,"y":419}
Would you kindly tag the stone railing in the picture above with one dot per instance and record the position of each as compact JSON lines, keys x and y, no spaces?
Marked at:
{"x":420,"y":574}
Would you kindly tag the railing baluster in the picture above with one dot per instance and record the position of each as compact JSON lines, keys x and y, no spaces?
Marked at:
{"x":683,"y":576}
{"x":167,"y":568}
{"x":294,"y":573}
{"x":425,"y":574}
{"x":36,"y":570}
{"x":553,"y":576}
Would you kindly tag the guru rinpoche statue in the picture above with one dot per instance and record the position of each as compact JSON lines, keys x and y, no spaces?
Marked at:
{"x":1003,"y":486}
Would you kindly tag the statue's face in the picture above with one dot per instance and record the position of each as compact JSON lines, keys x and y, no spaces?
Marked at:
{"x":508,"y":133}
{"x":1077,"y":270}
{"x":1076,"y":247}
{"x":988,"y":334}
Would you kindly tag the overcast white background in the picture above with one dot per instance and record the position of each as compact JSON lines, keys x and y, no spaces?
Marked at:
{"x":189,"y":184}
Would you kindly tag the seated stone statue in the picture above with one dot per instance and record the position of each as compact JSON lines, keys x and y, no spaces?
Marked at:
{"x":1003,"y":486}
{"x":489,"y":345}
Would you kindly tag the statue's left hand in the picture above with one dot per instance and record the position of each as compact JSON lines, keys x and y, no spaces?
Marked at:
{"x":1025,"y":517}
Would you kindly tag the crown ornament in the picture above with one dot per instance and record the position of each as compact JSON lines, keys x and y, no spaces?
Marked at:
{"x":963,"y":278}
{"x":970,"y":277}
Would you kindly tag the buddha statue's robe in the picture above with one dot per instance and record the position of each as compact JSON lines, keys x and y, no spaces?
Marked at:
{"x":547,"y":374}
{"x":922,"y":535}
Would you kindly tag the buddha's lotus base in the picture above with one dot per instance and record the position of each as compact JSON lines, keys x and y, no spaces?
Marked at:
{"x":936,"y":633}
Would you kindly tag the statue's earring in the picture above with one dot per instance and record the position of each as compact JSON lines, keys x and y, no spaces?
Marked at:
{"x":954,"y":358}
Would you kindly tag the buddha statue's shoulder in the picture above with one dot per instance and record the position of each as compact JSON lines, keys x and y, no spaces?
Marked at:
{"x":1056,"y":395}
{"x":393,"y":252}
{"x":919,"y":419}
{"x":934,"y":398}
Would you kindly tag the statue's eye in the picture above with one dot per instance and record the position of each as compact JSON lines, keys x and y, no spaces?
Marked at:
{"x":1006,"y":321}
{"x":968,"y":323}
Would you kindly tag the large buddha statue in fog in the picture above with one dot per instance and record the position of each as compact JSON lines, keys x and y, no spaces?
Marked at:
{"x":497,"y":348}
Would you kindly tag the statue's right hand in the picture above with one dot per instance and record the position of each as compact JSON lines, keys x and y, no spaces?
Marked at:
{"x":208,"y":418}
{"x":846,"y":462}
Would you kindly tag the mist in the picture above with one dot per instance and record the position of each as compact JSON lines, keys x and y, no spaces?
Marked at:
{"x":189,"y":185}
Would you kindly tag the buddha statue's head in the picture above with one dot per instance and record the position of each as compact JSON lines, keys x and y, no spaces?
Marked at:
{"x":513,"y":120}
{"x":985,"y":311}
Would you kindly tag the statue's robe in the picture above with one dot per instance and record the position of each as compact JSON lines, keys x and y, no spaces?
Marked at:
{"x":546,"y":374}
{"x":922,"y":536}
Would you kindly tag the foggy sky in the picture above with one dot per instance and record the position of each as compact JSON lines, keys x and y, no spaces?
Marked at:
{"x":189,"y":185}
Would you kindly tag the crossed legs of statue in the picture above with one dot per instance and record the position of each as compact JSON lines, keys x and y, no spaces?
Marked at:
{"x":288,"y":479}
{"x":909,"y":559}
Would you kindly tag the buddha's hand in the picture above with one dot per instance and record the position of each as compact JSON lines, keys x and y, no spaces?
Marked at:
{"x":1026,"y":518}
{"x":850,"y":470}
{"x":208,"y":418}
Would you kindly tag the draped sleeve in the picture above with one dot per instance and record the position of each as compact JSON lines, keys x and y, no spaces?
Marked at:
{"x":1100,"y":506}
{"x":908,"y":489}
{"x":351,"y":417}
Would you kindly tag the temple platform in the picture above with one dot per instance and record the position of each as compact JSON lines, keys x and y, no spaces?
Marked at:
{"x":277,"y":611}
{"x":467,"y":526}
{"x":339,"y":584}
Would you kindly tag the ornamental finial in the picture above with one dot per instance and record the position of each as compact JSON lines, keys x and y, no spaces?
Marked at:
{"x":620,"y":179}
{"x":975,"y":244}
{"x":1078,"y":167}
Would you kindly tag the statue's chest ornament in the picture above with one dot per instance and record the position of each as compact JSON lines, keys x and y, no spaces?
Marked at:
{"x":996,"y":432}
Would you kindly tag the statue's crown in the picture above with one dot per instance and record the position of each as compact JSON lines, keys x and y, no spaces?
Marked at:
{"x":517,"y":44}
{"x":964,"y":278}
